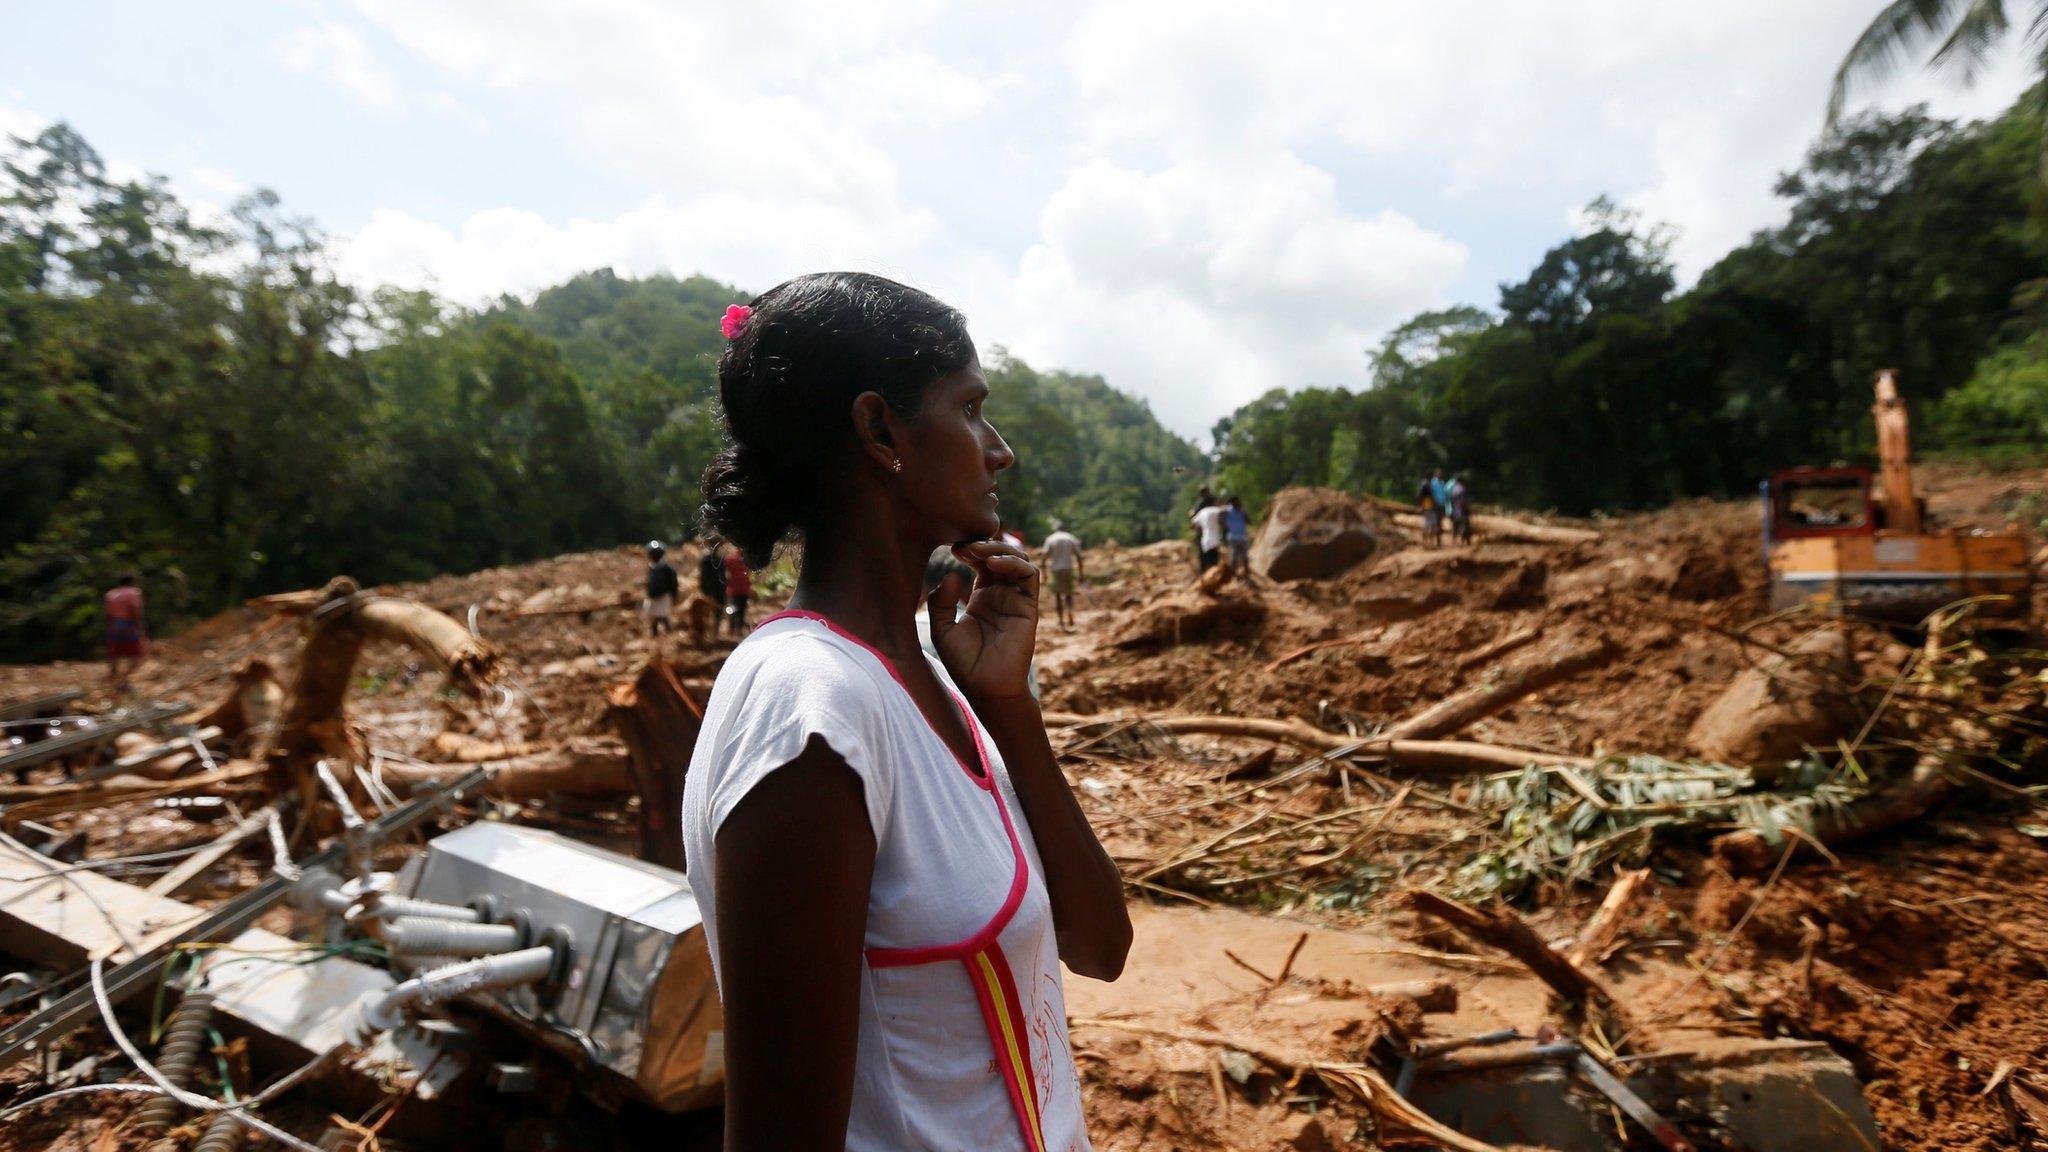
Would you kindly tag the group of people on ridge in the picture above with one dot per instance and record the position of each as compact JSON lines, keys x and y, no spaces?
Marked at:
{"x":1444,"y":500}
{"x":724,"y":583}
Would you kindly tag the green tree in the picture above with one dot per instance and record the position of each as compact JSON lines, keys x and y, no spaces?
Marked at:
{"x":1967,"y":31}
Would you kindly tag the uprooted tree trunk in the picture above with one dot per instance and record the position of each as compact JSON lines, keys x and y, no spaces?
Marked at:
{"x":340,"y":620}
{"x":658,"y":718}
{"x":1526,"y":675}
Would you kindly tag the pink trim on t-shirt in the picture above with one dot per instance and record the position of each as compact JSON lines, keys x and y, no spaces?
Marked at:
{"x":1020,"y":872}
{"x":984,"y":779}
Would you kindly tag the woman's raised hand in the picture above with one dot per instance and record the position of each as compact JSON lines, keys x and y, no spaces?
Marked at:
{"x":988,"y":651}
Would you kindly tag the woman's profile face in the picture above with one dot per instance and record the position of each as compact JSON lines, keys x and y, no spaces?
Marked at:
{"x":954,"y":455}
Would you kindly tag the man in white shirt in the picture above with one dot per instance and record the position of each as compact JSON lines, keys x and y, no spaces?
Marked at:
{"x":1209,"y":522}
{"x":1063,"y":567}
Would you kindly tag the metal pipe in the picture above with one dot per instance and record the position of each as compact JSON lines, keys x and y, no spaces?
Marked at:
{"x":393,"y":907}
{"x":387,"y":1012}
{"x":410,"y":936}
{"x":184,"y":1039}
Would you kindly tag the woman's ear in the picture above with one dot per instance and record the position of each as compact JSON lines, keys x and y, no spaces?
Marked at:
{"x":871,"y":426}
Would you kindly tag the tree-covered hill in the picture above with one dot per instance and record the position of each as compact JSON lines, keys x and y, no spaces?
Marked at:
{"x":207,"y":405}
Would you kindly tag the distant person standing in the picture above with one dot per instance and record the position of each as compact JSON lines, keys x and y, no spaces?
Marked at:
{"x":127,"y":638}
{"x":1461,"y":513}
{"x":1237,"y":532}
{"x":662,"y":586}
{"x":739,"y":591}
{"x":1063,"y":564}
{"x":1209,"y":533}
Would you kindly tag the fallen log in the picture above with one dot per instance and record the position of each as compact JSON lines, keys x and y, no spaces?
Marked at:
{"x":623,"y":600}
{"x":1432,"y":995}
{"x":1598,"y":937}
{"x":1501,"y":647}
{"x":462,"y":748}
{"x":1444,"y":755}
{"x":1908,"y":798}
{"x":1504,"y":528}
{"x":658,"y":718}
{"x":1284,"y":660}
{"x":1524,"y":676}
{"x":585,"y":766}
{"x":1502,"y":928}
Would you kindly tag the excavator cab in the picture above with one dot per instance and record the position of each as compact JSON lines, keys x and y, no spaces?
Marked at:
{"x":1846,"y":539}
{"x":1809,"y":502}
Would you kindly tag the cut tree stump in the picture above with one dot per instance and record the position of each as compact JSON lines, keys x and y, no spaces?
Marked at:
{"x":658,"y":718}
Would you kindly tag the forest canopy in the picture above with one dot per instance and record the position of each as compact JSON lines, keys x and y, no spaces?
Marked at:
{"x":1910,"y":242}
{"x":206,"y":404}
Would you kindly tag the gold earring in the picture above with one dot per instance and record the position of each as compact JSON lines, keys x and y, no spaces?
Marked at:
{"x":896,"y":466}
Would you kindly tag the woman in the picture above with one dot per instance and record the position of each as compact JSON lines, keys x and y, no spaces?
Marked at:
{"x":890,"y":865}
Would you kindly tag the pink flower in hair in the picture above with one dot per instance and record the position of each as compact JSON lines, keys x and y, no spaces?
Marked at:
{"x":735,"y":321}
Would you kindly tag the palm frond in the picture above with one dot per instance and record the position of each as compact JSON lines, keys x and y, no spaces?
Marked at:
{"x":1982,"y":26}
{"x":1901,"y":27}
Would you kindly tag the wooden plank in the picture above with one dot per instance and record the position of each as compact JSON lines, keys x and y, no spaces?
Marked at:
{"x":196,"y":865}
{"x":63,"y":920}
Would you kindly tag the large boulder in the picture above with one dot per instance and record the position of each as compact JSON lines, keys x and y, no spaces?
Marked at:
{"x":1315,"y":533}
{"x":1771,"y":713}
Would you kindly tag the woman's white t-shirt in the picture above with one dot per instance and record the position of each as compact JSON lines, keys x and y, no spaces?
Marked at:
{"x":963,"y":1027}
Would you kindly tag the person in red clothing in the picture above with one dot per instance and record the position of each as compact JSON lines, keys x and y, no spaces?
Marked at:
{"x":127,"y":639}
{"x":739,"y":589}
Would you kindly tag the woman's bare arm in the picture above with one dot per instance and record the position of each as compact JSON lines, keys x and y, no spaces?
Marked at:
{"x":793,"y":863}
{"x":1087,"y":893}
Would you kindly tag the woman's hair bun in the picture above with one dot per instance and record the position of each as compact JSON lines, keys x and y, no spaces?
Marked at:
{"x":744,"y":504}
{"x":786,"y":383}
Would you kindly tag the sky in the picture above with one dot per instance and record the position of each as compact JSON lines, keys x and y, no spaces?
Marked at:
{"x":1199,"y":201}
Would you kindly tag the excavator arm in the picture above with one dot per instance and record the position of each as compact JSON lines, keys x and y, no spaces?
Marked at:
{"x":1894,"y":457}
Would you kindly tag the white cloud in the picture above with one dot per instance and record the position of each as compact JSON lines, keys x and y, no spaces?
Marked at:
{"x":340,"y":55}
{"x":1686,"y":114}
{"x":1202,"y":285}
{"x":749,"y":240}
{"x":776,"y":99}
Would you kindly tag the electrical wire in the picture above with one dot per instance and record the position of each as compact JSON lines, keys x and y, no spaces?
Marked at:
{"x":190,"y":1099}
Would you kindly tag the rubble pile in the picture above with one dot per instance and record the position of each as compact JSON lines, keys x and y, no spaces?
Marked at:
{"x":1566,"y":818}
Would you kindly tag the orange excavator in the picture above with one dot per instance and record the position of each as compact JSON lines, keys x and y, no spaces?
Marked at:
{"x":1836,"y":540}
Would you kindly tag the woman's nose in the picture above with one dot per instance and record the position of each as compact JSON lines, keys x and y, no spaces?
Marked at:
{"x":1000,"y":456}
